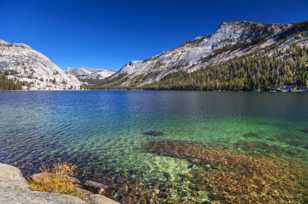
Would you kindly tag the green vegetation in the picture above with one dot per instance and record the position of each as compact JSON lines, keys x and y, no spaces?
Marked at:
{"x":260,"y":70}
{"x":7,"y":84}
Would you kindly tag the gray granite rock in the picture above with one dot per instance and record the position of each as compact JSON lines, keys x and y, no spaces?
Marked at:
{"x":99,"y":199}
{"x":12,"y":177}
{"x":20,"y":196}
{"x":22,"y":63}
{"x":14,"y":189}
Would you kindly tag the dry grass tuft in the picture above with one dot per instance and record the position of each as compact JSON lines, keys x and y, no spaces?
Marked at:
{"x":58,"y":179}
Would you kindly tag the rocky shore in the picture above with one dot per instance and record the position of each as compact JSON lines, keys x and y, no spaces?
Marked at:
{"x":14,"y":189}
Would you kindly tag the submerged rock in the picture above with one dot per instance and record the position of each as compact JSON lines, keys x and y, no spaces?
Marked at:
{"x":305,"y":131}
{"x":153,"y":133}
{"x":207,"y":166}
{"x":190,"y":165}
{"x":252,"y":135}
{"x":95,"y":187}
{"x":234,"y":173}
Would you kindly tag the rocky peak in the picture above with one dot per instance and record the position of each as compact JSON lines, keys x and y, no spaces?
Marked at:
{"x":3,"y":42}
{"x":22,"y":63}
{"x":84,"y":73}
{"x":244,"y":32}
{"x":21,"y":45}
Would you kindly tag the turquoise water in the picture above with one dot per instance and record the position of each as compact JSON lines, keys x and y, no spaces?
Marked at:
{"x":102,"y":131}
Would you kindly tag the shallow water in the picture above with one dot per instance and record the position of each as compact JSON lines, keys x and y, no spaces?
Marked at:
{"x":102,"y":131}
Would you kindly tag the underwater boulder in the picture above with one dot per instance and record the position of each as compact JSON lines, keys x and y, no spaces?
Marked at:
{"x":153,"y":133}
{"x":305,"y":131}
{"x":95,"y":187}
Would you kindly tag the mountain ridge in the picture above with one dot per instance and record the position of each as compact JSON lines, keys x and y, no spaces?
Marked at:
{"x":231,"y":40}
{"x":86,"y":73}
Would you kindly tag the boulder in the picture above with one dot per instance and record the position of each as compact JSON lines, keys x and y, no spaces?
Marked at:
{"x":11,"y":176}
{"x":20,"y":196}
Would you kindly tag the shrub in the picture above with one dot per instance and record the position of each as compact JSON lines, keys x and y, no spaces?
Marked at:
{"x":57,"y":180}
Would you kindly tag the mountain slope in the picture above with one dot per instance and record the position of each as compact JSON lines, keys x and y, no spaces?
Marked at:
{"x":20,"y":63}
{"x":231,"y":41}
{"x":89,"y":73}
{"x":256,"y":71}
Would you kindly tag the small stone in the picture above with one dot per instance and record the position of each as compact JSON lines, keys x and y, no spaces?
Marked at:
{"x":305,"y":146}
{"x":76,"y":180}
{"x":207,"y":166}
{"x":190,"y":166}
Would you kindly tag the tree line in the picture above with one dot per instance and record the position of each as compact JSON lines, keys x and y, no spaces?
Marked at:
{"x":9,"y":84}
{"x":264,"y":70}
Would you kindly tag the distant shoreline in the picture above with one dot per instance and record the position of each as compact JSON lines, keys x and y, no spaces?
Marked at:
{"x":148,"y":89}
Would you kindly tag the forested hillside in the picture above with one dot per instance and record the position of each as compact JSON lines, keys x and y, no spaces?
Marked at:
{"x":256,"y":71}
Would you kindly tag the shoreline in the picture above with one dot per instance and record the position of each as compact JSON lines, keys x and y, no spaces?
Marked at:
{"x":149,"y":89}
{"x":15,"y":188}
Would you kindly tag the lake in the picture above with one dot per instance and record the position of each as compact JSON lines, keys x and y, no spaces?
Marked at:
{"x":101,"y":132}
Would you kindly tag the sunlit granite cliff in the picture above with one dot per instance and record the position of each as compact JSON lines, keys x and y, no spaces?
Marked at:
{"x":22,"y":63}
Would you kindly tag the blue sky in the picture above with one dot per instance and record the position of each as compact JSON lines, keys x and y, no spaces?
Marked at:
{"x":99,"y":33}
